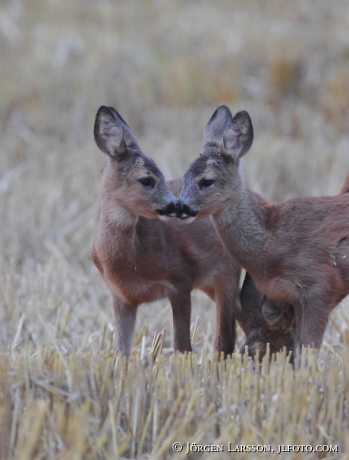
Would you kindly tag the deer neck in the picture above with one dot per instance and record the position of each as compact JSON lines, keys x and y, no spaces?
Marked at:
{"x":119,"y":223}
{"x":242,"y":230}
{"x":120,"y":227}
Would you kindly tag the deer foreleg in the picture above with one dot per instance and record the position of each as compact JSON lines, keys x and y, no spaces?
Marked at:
{"x":125,"y":318}
{"x":181,"y":310}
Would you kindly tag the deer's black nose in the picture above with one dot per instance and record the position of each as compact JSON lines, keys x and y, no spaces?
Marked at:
{"x":186,"y":212}
{"x":172,"y":210}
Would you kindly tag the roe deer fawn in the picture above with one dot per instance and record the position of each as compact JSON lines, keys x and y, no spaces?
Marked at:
{"x":142,"y":258}
{"x":297,"y":252}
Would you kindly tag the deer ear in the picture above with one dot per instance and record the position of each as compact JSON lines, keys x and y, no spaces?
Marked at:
{"x":109,"y":133}
{"x":215,"y":128}
{"x":238,"y":137}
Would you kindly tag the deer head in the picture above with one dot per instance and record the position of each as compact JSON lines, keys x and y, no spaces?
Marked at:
{"x":212,"y":178}
{"x":130,"y":179}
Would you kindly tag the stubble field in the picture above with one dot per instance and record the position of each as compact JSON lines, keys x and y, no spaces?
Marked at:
{"x":165,"y":66}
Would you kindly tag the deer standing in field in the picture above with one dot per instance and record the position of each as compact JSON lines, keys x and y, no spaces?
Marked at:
{"x":143,"y":255}
{"x":297,"y":252}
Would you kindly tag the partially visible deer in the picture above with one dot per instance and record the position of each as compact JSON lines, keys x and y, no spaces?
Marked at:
{"x":142,"y":258}
{"x":297,"y":252}
{"x":276,"y":325}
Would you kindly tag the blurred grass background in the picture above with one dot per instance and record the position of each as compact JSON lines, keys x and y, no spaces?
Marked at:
{"x":165,"y":65}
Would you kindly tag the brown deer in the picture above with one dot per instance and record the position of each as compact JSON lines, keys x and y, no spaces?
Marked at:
{"x":297,"y":252}
{"x":275,"y":326}
{"x":143,"y":255}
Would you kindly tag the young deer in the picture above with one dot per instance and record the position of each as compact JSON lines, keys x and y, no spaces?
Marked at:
{"x":142,"y":258}
{"x":297,"y":252}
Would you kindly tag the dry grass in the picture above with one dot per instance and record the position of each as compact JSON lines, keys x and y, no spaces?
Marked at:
{"x":165,"y":65}
{"x":89,"y":405}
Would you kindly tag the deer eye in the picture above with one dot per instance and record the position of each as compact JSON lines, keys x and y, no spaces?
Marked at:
{"x":147,"y":182}
{"x":206,"y":183}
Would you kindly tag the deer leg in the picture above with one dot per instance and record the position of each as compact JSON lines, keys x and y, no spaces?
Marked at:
{"x":251,"y":319}
{"x":225,"y":335}
{"x":125,"y":318}
{"x":251,"y":306}
{"x":181,"y":311}
{"x":312,"y":317}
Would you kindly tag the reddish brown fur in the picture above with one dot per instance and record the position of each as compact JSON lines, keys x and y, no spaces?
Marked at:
{"x":278,"y":327}
{"x":143,"y":259}
{"x":297,"y":252}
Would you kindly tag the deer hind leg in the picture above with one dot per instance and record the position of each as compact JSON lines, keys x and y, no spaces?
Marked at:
{"x":311,"y":320}
{"x":125,"y":318}
{"x":181,"y":311}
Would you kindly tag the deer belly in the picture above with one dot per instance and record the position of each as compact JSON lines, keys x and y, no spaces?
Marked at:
{"x":137,"y":291}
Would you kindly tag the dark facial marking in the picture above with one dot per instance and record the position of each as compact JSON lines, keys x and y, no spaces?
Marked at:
{"x":172,"y":210}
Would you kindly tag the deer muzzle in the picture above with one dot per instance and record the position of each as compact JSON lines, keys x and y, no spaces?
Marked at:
{"x":179,"y":210}
{"x":187,"y":213}
{"x":171,"y":210}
